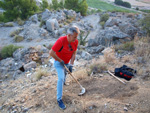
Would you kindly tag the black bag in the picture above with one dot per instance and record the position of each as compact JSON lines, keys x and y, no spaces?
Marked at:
{"x":125,"y":72}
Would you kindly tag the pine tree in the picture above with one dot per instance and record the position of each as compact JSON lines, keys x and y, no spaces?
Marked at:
{"x":18,"y":8}
{"x":55,"y":4}
{"x":83,"y":6}
{"x":71,"y":4}
{"x":44,"y":5}
{"x":77,"y":6}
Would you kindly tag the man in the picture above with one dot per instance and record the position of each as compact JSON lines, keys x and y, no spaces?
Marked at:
{"x":63,"y":51}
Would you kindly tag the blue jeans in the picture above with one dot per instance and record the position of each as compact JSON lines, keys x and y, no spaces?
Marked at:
{"x":61,"y":78}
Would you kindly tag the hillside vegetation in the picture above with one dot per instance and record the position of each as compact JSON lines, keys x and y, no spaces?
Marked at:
{"x":105,"y":6}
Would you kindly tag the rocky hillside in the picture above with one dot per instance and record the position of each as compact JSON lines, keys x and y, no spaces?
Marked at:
{"x":28,"y":79}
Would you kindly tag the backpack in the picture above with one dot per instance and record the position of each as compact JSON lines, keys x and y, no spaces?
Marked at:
{"x":125,"y":72}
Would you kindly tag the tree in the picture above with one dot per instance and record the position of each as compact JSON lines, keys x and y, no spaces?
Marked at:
{"x":71,"y":4}
{"x":126,"y":4}
{"x":44,"y":5}
{"x":83,"y":6}
{"x":77,"y":6}
{"x":61,"y":4}
{"x":118,"y":2}
{"x":18,"y":8}
{"x":55,"y":4}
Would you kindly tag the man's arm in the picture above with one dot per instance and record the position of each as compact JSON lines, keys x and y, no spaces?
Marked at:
{"x":53,"y":54}
{"x":73,"y":58}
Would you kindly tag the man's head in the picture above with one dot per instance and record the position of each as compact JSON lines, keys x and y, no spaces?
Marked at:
{"x":73,"y":33}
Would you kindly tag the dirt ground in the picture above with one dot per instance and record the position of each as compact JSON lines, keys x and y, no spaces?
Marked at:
{"x":104,"y":94}
{"x":144,"y":1}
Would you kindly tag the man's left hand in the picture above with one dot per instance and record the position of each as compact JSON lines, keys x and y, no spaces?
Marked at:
{"x":70,"y":67}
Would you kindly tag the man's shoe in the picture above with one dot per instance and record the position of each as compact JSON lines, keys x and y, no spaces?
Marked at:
{"x":61,"y":104}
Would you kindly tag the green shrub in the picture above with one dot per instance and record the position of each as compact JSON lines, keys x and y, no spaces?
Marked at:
{"x":18,"y":38}
{"x":118,"y":2}
{"x":102,"y":24}
{"x":82,"y":7}
{"x":42,"y":23}
{"x":104,"y":17}
{"x":77,"y":6}
{"x":92,"y":11}
{"x":55,"y":4}
{"x":126,"y":4}
{"x":145,"y":22}
{"x":137,"y":8}
{"x":128,"y":46}
{"x":7,"y":51}
{"x":16,"y":32}
{"x":61,"y":5}
{"x":43,"y":5}
{"x":18,"y":8}
{"x":82,"y":40}
{"x":20,"y":22}
{"x":1,"y":17}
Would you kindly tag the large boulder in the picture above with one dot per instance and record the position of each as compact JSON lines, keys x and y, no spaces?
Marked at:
{"x":85,"y":55}
{"x":19,"y":53}
{"x":108,"y":36}
{"x":30,"y":32}
{"x":34,"y":18}
{"x":60,"y":16}
{"x":70,"y":13}
{"x":43,"y":32}
{"x":30,"y":65}
{"x":52,"y":24}
{"x":46,"y":14}
{"x":95,"y":50}
{"x":9,"y":66}
{"x":112,"y":21}
{"x":128,"y":29}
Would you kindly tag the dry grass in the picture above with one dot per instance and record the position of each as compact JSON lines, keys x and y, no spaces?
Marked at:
{"x":143,"y":49}
{"x":39,"y":73}
{"x":127,"y":46}
{"x":79,"y":74}
{"x":18,"y":38}
{"x":109,"y":56}
{"x":98,"y":68}
{"x":16,"y":32}
{"x":20,"y":22}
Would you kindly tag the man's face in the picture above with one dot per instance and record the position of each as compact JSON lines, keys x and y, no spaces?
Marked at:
{"x":73,"y":37}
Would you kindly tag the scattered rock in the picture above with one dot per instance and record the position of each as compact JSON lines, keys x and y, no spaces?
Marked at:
{"x":85,"y":55}
{"x":125,"y":109}
{"x":34,"y":18}
{"x":30,"y":65}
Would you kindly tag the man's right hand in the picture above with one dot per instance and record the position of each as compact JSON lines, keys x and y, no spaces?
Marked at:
{"x":62,"y":63}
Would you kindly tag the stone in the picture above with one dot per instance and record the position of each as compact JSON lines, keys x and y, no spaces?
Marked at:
{"x":30,"y":65}
{"x":52,"y":24}
{"x":85,"y":55}
{"x":125,"y":109}
{"x":46,"y":14}
{"x":34,"y":18}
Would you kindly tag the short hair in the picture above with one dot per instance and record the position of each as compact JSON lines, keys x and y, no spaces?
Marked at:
{"x":73,"y":30}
